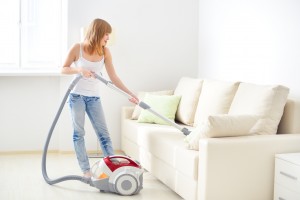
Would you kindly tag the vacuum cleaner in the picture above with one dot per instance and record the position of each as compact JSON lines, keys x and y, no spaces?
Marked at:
{"x":117,"y":174}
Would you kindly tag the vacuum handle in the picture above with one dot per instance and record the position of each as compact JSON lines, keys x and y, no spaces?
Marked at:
{"x":112,"y":86}
{"x":123,"y":157}
{"x":112,"y":165}
{"x":145,"y":106}
{"x":142,"y":104}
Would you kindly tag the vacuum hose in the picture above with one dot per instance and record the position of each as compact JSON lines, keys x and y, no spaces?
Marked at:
{"x":64,"y":178}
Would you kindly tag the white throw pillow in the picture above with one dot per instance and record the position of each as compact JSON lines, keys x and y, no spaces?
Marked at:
{"x":221,"y":126}
{"x":189,"y":89}
{"x":267,"y":101}
{"x":141,"y":95}
{"x":215,"y":98}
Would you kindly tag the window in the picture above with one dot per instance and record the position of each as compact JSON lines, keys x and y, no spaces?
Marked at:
{"x":30,"y":34}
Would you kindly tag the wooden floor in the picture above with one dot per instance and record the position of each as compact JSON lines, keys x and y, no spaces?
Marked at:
{"x":21,"y":179}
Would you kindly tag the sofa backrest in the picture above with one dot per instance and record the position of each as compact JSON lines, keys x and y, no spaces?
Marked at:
{"x":245,"y":101}
{"x":290,"y":121}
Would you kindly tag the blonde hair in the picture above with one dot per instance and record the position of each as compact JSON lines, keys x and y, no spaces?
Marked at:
{"x":95,"y":32}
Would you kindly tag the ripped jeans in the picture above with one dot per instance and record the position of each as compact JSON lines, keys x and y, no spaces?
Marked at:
{"x":80,"y":105}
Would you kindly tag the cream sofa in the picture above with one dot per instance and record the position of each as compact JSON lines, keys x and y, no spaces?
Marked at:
{"x":221,"y":168}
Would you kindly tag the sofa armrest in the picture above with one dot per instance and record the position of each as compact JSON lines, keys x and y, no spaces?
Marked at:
{"x":241,"y":167}
{"x":127,"y":112}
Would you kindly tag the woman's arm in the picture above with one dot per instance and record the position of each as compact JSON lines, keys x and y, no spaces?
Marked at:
{"x":72,"y":56}
{"x":114,"y":77}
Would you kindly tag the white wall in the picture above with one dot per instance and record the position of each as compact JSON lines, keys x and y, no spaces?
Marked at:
{"x":28,"y":105}
{"x":156,"y":42}
{"x":254,"y":41}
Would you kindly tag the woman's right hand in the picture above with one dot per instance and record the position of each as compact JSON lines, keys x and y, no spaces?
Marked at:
{"x":86,"y":73}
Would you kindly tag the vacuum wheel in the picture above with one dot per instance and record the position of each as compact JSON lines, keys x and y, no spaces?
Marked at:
{"x":126,"y":184}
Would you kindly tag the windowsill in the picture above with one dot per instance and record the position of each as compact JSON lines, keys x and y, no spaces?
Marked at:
{"x":30,"y":73}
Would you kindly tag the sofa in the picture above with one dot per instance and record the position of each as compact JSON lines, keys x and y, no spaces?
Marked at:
{"x":232,"y":158}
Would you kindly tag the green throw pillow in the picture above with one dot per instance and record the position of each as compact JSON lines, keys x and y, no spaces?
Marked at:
{"x":165,"y":105}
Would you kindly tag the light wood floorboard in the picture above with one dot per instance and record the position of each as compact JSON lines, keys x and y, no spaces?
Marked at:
{"x":21,"y":179}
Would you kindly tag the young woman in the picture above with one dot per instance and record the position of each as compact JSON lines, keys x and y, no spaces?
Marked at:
{"x":90,"y":57}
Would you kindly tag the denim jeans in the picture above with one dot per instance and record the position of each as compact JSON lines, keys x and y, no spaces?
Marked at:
{"x":80,"y":105}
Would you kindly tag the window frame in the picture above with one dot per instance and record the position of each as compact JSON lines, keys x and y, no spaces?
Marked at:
{"x":18,"y":67}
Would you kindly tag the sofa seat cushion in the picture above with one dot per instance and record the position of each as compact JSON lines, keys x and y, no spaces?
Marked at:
{"x":133,"y":130}
{"x":164,"y":142}
{"x":169,"y":147}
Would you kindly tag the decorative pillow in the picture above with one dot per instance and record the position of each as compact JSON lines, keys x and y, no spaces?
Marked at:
{"x":215,"y":98}
{"x":267,"y":101}
{"x":137,"y":109}
{"x":165,"y":105}
{"x":222,"y":126}
{"x":189,"y":89}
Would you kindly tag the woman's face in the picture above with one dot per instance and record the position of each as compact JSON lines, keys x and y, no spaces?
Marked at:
{"x":105,"y":39}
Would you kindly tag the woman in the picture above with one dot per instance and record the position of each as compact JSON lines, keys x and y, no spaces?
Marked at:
{"x":90,"y":57}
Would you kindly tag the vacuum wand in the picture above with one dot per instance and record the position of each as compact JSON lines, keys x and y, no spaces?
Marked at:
{"x":143,"y":105}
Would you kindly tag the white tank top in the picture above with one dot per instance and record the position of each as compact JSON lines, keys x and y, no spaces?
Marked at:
{"x":88,"y":86}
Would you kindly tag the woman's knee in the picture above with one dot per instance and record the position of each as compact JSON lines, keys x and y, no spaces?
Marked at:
{"x":78,"y":135}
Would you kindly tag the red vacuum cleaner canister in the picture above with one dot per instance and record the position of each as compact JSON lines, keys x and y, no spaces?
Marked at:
{"x":119,"y":174}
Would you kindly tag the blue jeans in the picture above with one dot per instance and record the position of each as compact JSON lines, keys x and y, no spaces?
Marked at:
{"x":80,"y":104}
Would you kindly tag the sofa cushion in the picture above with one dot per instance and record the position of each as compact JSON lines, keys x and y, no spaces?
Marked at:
{"x":141,"y":95}
{"x":222,"y":126}
{"x":132,"y":130}
{"x":189,"y":89}
{"x":168,"y":146}
{"x":182,"y":184}
{"x":166,"y":105}
{"x":165,"y":143}
{"x":215,"y":98}
{"x":267,"y":101}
